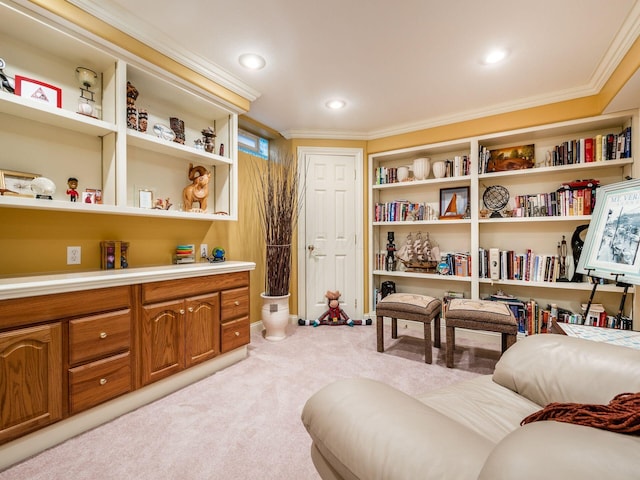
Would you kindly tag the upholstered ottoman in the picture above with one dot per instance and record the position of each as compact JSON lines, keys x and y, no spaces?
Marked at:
{"x":408,"y":306}
{"x":479,"y":315}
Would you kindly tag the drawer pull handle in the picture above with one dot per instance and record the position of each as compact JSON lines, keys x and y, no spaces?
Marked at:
{"x":237,"y":334}
{"x":237,"y":303}
{"x":190,"y":309}
{"x":103,"y":334}
{"x":103,"y":381}
{"x":182,"y":311}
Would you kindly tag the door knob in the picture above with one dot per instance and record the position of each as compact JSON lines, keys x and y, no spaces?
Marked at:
{"x":311,"y":248}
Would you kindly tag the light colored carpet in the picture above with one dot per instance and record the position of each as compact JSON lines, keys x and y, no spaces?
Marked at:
{"x":244,"y":422}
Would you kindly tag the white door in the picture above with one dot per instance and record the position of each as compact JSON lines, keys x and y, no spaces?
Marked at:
{"x":330,"y":231}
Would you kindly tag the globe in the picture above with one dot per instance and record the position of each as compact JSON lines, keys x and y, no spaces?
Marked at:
{"x":495,"y":198}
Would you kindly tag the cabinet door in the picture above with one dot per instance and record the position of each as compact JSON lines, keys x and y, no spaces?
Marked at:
{"x":162,"y":339}
{"x":30,"y":379}
{"x":202,"y":328}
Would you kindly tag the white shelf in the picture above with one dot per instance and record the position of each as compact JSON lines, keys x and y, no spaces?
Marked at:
{"x":10,"y":201}
{"x":555,"y":285}
{"x":148,"y":141}
{"x":544,"y":171}
{"x":541,"y":234}
{"x":43,"y":113}
{"x":431,"y":276}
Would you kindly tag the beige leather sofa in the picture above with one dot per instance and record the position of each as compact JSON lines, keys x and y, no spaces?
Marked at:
{"x":364,"y":429}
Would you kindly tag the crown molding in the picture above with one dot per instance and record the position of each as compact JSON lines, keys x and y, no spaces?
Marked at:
{"x":152,"y":37}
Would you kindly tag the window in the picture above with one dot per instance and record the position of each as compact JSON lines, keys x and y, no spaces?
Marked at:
{"x":252,"y":144}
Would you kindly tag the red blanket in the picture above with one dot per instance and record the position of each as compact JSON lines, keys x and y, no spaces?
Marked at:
{"x":621,"y":415}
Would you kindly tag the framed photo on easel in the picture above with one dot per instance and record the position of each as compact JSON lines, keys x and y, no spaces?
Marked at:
{"x":611,"y":247}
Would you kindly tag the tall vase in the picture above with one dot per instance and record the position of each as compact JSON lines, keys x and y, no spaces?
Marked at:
{"x":275,"y":316}
{"x":421,"y":168}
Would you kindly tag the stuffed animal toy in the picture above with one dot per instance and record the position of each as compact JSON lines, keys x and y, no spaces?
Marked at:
{"x":335,"y":315}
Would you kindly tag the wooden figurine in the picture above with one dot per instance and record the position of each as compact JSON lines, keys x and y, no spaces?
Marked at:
{"x":198,"y":190}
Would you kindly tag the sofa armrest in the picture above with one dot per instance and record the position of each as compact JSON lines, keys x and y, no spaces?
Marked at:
{"x":556,"y":368}
{"x":555,"y":450}
{"x":365,"y":429}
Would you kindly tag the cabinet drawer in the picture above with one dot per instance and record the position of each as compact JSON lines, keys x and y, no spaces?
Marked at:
{"x":99,"y":381}
{"x":99,"y":335}
{"x":234,"y":303}
{"x":235,"y":334}
{"x":153,"y":292}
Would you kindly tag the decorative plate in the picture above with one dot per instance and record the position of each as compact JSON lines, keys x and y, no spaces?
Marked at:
{"x":164,"y":132}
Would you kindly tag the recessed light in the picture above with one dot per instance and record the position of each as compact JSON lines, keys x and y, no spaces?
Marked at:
{"x":252,"y":61}
{"x":336,"y":104}
{"x":495,"y":56}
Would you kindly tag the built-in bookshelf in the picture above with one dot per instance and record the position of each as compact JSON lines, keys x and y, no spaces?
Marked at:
{"x":548,"y":203}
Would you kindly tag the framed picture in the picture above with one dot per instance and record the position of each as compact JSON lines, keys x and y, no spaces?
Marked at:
{"x":145,"y":198}
{"x":97,"y":194}
{"x":88,"y":197}
{"x":511,"y":158}
{"x":454,"y":202}
{"x":37,"y":90}
{"x":17,"y":183}
{"x":610,"y":248}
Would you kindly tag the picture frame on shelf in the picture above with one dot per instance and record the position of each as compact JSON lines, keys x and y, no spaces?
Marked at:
{"x":511,"y":158}
{"x":39,"y":91}
{"x":88,"y":197}
{"x":612,"y":246}
{"x":145,"y":198}
{"x":17,"y":184}
{"x":454,"y":203}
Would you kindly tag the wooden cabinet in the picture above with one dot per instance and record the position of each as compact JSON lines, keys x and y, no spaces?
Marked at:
{"x":30,"y":379}
{"x":178,"y":334}
{"x":66,"y":353}
{"x":99,"y":359}
{"x":235,"y":318}
{"x":53,"y":140}
{"x":181,"y":322}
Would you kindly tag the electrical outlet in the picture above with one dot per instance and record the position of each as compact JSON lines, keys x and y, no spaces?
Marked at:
{"x":74,"y":255}
{"x":204,"y":250}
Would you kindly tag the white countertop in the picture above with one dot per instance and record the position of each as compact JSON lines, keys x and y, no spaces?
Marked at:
{"x":19,"y":287}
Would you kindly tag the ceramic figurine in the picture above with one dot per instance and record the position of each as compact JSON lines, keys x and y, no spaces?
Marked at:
{"x":72,"y":182}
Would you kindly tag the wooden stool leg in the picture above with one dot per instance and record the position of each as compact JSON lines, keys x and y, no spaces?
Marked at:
{"x":379,"y":331}
{"x":451,"y":345}
{"x":394,"y":327}
{"x":436,"y":331}
{"x":508,"y":339}
{"x":428,"y":354}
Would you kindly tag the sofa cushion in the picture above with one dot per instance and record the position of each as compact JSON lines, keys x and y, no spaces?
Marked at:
{"x":561,"y":451}
{"x":550,"y":368}
{"x":482,"y":405}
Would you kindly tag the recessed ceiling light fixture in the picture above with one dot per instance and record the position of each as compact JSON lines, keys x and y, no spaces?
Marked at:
{"x":252,"y":61}
{"x":336,"y":104}
{"x":495,"y":56}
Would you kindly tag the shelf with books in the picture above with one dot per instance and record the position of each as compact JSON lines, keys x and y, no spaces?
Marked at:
{"x":581,"y":286}
{"x":527,"y":189}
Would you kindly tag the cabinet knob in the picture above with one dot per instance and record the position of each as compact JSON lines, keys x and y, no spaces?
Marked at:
{"x":237,"y":334}
{"x":103,"y":381}
{"x":182,"y":311}
{"x":103,"y":334}
{"x":190,"y":309}
{"x":237,"y":303}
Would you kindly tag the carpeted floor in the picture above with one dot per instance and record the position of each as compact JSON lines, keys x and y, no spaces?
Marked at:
{"x":244,"y":422}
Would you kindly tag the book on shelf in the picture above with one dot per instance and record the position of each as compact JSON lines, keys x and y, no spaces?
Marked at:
{"x":499,"y":264}
{"x":599,"y":148}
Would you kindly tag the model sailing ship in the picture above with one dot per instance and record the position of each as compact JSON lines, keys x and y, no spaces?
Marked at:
{"x":418,"y":253}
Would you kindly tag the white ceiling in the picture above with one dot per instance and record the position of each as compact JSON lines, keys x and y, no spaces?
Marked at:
{"x":400,"y":66}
